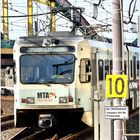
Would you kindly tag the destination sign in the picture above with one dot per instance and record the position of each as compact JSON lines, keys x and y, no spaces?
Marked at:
{"x":47,"y":49}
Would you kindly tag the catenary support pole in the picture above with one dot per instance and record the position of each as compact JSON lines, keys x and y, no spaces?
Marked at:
{"x":52,"y":28}
{"x":5,"y":19}
{"x":30,"y":18}
{"x":117,"y":51}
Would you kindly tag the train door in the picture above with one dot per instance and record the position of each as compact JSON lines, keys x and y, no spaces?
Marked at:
{"x":83,"y":81}
{"x":84,"y":91}
{"x":103,"y":67}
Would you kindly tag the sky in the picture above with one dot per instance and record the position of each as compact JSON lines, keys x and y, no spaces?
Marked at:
{"x":18,"y":26}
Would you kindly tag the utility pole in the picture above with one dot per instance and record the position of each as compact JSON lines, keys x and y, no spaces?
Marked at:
{"x":117,"y":52}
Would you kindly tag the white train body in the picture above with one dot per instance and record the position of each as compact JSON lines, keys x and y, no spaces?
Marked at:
{"x":57,"y":77}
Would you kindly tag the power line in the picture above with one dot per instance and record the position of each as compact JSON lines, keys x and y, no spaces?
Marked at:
{"x":26,"y":15}
{"x":100,"y":5}
{"x":15,"y":25}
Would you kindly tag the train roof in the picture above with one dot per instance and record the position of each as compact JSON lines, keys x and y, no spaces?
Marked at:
{"x":101,"y":44}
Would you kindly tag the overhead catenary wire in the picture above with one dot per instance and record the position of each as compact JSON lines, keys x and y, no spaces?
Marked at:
{"x":101,"y":6}
{"x":100,"y":3}
{"x":129,"y":12}
{"x":16,"y":25}
{"x":41,"y":9}
{"x":24,"y":15}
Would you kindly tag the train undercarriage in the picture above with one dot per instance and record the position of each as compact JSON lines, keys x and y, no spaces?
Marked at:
{"x":58,"y":118}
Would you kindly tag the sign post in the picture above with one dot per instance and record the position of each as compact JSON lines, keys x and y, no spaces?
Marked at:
{"x":117,"y":52}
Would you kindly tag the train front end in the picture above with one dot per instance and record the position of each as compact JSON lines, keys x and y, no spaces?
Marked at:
{"x":45,"y":83}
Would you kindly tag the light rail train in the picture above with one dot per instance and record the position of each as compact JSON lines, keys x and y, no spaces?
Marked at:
{"x":60,"y":79}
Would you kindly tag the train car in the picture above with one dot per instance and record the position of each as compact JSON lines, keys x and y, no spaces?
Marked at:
{"x":60,"y":79}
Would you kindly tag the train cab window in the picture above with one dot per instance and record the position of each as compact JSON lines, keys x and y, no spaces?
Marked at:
{"x":138,"y":68}
{"x":101,"y":69}
{"x":106,"y":67}
{"x":125,"y":67}
{"x":42,"y":69}
{"x":85,"y":70}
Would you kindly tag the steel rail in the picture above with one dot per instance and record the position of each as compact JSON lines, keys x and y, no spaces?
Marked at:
{"x":7,"y":122}
{"x":20,"y":131}
{"x":28,"y":134}
{"x":87,"y":131}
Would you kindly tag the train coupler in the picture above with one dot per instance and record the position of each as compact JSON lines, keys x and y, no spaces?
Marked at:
{"x":45,"y":120}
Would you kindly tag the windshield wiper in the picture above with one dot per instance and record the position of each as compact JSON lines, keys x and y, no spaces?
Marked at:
{"x":66,"y":71}
{"x":62,"y":64}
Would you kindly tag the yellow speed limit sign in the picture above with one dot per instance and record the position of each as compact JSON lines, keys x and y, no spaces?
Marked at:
{"x":116,"y":86}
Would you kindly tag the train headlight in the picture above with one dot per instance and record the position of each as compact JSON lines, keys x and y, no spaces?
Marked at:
{"x":30,"y":100}
{"x":62,"y":99}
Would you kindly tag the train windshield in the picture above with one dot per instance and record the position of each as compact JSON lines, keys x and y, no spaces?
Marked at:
{"x":41,"y":69}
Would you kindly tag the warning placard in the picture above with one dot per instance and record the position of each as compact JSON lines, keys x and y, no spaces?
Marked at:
{"x":116,"y":86}
{"x":117,"y":112}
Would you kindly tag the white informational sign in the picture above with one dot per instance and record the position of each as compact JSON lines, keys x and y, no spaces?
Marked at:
{"x":117,"y":112}
{"x":133,"y":85}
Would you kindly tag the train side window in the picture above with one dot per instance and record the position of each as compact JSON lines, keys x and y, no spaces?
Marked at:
{"x":138,"y":67}
{"x":131,"y":69}
{"x":106,"y":67}
{"x":111,"y":66}
{"x":134,"y":67}
{"x":125,"y":67}
{"x":101,"y":69}
{"x":85,"y":70}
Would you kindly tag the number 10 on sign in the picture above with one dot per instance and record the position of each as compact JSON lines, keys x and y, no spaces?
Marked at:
{"x":116,"y":86}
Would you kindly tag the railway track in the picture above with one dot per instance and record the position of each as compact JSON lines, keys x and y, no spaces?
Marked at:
{"x":42,"y":134}
{"x":79,"y":135}
{"x":28,"y":134}
{"x":7,"y":122}
{"x":34,"y":134}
